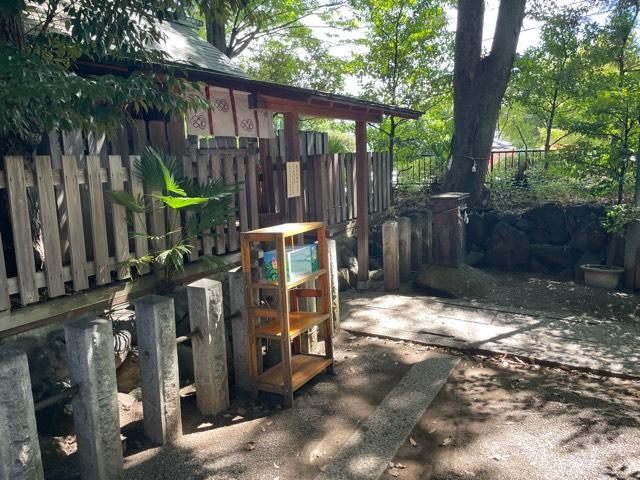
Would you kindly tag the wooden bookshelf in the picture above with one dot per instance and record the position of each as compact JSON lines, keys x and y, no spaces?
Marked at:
{"x":285,"y":322}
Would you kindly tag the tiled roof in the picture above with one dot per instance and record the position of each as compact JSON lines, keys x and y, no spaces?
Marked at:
{"x":184,"y":46}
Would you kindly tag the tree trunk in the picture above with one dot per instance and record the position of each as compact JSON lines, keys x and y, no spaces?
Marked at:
{"x":11,"y":26}
{"x":478,"y":87}
{"x":216,"y":32}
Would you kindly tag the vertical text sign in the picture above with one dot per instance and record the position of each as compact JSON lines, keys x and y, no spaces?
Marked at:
{"x":293,"y":179}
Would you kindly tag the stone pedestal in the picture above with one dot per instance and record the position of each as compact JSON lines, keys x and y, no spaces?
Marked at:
{"x":390,"y":256}
{"x":209,"y":346}
{"x":449,"y":212}
{"x":19,"y":447}
{"x":417,"y":248}
{"x":239,"y":329}
{"x":95,"y":408}
{"x":404,"y":247}
{"x":156,"y":327}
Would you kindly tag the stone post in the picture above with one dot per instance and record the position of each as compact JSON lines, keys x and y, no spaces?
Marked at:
{"x":19,"y":447}
{"x":448,"y":226}
{"x":239,"y":329}
{"x":156,"y":328}
{"x":333,"y":285}
{"x":404,"y":247}
{"x":427,"y":236}
{"x":390,"y":256}
{"x":209,"y":345}
{"x":417,"y":249}
{"x":95,"y":408}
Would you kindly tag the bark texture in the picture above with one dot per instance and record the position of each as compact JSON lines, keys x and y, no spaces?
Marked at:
{"x":478,"y":86}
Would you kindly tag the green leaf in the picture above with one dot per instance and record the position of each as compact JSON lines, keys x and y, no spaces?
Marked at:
{"x":181,"y":202}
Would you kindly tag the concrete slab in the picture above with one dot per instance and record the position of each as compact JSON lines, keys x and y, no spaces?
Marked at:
{"x":601,"y":345}
{"x":367,"y":453}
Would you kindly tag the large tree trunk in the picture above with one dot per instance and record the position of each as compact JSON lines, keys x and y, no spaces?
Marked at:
{"x":478,"y":86}
{"x":216,"y":32}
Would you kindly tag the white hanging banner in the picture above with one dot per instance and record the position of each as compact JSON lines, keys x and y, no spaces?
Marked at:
{"x":265,"y":124}
{"x":222,"y":109}
{"x":246,"y":119}
{"x":198,"y":120}
{"x":229,"y":115}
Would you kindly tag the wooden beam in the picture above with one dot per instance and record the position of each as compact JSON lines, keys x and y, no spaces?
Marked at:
{"x":331,"y":110}
{"x":98,"y":299}
{"x":362,"y":195}
{"x":292,"y":154}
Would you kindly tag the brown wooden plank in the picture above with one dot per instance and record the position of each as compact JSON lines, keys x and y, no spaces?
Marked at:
{"x":50,"y":226}
{"x":354,"y":188}
{"x":229,"y":178}
{"x":158,"y":135}
{"x":216,"y":174}
{"x":243,"y":210}
{"x":187,"y":162}
{"x":361,"y":189}
{"x":343,"y":191}
{"x":73,"y":209}
{"x":176,"y":137}
{"x":5,"y":300}
{"x":141,"y":244}
{"x":202,"y":174}
{"x":21,"y":226}
{"x":119,"y":218}
{"x":98,"y":221}
{"x":252,"y":191}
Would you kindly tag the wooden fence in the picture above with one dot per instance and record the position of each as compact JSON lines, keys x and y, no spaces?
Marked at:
{"x":65,"y":236}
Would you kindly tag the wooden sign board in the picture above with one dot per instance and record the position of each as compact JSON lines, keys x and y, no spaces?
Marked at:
{"x":293,"y":179}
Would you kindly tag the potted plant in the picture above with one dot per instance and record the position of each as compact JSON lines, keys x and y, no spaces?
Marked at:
{"x":615,"y":223}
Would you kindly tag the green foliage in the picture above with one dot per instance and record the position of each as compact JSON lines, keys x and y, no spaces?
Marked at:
{"x":619,"y":216}
{"x":208,"y":205}
{"x":407,"y":60}
{"x":537,"y":186}
{"x":39,"y":86}
{"x":580,"y":90}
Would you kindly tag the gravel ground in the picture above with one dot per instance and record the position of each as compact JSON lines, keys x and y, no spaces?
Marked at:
{"x":504,"y":421}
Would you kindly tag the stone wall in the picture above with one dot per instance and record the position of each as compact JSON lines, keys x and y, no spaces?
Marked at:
{"x":551,"y":239}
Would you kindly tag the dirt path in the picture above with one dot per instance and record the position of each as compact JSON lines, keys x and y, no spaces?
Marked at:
{"x":496,"y":421}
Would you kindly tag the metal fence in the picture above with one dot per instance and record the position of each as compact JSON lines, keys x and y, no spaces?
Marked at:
{"x":429,"y":169}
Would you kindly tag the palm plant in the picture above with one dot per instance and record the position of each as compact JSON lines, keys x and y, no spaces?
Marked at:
{"x":205,"y":207}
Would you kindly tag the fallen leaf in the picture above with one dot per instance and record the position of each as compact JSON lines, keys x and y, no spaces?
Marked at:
{"x":249,"y":446}
{"x":276,"y":465}
{"x":400,"y":466}
{"x":391,"y":465}
{"x":269,"y":422}
{"x":394,"y":472}
{"x":446,"y":442}
{"x":433,"y":430}
{"x":237,"y":418}
{"x":412,"y":442}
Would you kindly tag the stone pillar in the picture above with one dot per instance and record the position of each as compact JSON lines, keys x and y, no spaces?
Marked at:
{"x":427,"y":236}
{"x":404,"y":247}
{"x":333,"y":285}
{"x":156,"y":329}
{"x":239,"y":329}
{"x":19,"y":447}
{"x":209,"y":345}
{"x":449,"y":210}
{"x":390,"y":256}
{"x":95,"y":408}
{"x":417,"y":249}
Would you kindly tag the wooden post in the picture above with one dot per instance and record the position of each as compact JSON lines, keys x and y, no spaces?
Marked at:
{"x":390,"y":256}
{"x":292,"y":154}
{"x":362,"y":194}
{"x":404,"y":247}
